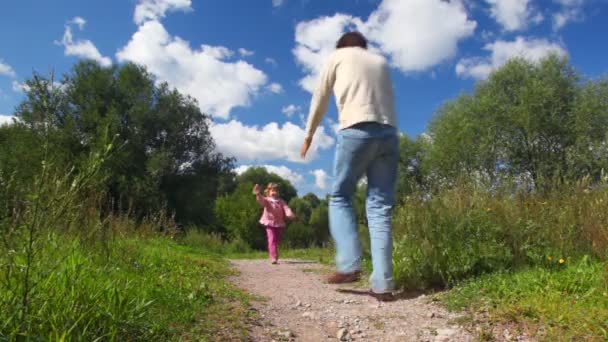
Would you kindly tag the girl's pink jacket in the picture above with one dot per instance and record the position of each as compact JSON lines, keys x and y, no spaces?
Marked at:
{"x":275,"y":211}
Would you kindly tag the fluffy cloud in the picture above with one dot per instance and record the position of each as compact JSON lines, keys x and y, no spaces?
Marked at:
{"x":418,"y":34}
{"x":81,"y":48}
{"x":315,"y":41}
{"x":513,"y":15}
{"x":246,"y":53}
{"x":216,"y":83}
{"x":290,"y":110}
{"x":283,"y":171}
{"x":6,"y":119}
{"x":6,"y":69}
{"x":156,"y":9}
{"x":320,"y":178}
{"x":78,"y":21}
{"x":20,"y":87}
{"x":275,"y":88}
{"x":277,"y":3}
{"x":501,"y":51}
{"x":415,"y":34}
{"x":271,"y":61}
{"x":269,"y":142}
{"x":572,"y":10}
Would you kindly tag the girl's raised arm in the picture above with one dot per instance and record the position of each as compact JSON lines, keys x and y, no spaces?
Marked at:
{"x":258,"y":196}
{"x":288,"y":212}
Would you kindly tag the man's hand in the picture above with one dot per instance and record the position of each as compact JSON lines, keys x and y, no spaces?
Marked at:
{"x":256,"y":189}
{"x":305,"y":147}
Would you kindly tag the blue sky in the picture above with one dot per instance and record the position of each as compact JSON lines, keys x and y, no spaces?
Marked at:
{"x":252,"y":64}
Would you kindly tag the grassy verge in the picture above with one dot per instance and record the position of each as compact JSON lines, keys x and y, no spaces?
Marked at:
{"x":145,"y":289}
{"x":558,"y":302}
{"x":239,"y":250}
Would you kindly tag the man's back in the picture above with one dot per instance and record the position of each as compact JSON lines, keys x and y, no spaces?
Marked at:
{"x":361,"y":83}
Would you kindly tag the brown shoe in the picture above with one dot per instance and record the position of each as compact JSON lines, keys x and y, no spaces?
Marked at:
{"x":383,"y":297}
{"x":341,"y":278}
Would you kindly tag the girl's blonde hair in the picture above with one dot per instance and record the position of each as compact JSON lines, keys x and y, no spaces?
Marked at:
{"x":271,"y":186}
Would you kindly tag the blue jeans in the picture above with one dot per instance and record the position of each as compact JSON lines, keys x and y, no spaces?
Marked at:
{"x":370,"y":149}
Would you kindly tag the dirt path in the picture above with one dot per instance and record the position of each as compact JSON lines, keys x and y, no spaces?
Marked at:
{"x":298,"y":306}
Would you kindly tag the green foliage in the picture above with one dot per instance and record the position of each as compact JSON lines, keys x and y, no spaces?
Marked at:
{"x":259,"y":175}
{"x":166,"y":158}
{"x":529,"y":120}
{"x":239,"y":213}
{"x":556,"y":301}
{"x":412,"y":177}
{"x":145,"y":289}
{"x":299,"y":235}
{"x":467,"y":231}
{"x":312,"y":227}
{"x":213,"y":243}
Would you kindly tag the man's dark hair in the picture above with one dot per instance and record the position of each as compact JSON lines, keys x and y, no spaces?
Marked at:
{"x":352,"y":39}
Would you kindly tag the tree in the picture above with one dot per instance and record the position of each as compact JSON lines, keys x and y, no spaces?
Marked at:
{"x":259,"y":175}
{"x":412,"y":177}
{"x":165,"y":156}
{"x":239,"y":213}
{"x":529,"y":119}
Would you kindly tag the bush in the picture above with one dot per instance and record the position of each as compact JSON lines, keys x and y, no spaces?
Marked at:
{"x":464,"y":231}
{"x":213,"y":243}
{"x":299,"y":235}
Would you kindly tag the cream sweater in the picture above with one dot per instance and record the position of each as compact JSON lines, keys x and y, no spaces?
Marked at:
{"x":362,"y":86}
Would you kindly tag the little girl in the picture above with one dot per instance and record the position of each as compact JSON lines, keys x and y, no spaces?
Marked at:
{"x":275,"y":212}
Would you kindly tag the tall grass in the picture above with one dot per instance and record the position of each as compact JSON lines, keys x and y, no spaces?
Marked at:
{"x":70,"y":272}
{"x":467,"y":231}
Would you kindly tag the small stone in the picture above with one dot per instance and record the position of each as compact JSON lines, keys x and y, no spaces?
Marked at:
{"x":298,"y":303}
{"x":342,"y":334}
{"x":308,"y":314}
{"x":432,"y":315}
{"x":286,"y":334}
{"x":446,"y":334}
{"x":307,"y":305}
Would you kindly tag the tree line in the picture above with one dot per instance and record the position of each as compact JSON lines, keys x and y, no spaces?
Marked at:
{"x":531,"y":125}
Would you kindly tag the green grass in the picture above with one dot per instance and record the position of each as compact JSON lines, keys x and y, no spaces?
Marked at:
{"x":554,"y":302}
{"x":239,"y":250}
{"x":145,"y":289}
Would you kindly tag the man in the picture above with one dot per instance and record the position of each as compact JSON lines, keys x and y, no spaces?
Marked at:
{"x":368,"y":144}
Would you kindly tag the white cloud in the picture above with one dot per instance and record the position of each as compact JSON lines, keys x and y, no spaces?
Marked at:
{"x":320,"y":178}
{"x":572,"y":10}
{"x":156,"y":9}
{"x":6,"y":119}
{"x":6,"y":69}
{"x":269,"y":142}
{"x":217,"y":52}
{"x":81,"y":48}
{"x":20,"y":87}
{"x":271,"y":61}
{"x":277,"y":3}
{"x":333,"y":126}
{"x":571,"y":3}
{"x":290,"y":110}
{"x":218,"y":85}
{"x":418,"y":34}
{"x":78,"y":21}
{"x":283,"y":171}
{"x":415,"y":34}
{"x":246,"y":53}
{"x":501,"y":51}
{"x":315,"y":41}
{"x":275,"y":88}
{"x":513,"y":15}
